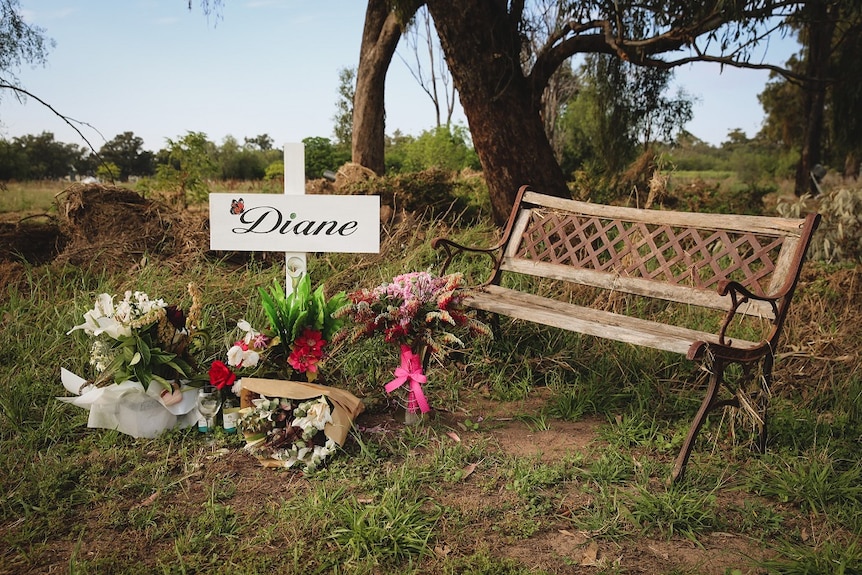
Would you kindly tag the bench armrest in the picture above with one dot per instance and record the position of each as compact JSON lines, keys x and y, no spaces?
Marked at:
{"x":739,"y":295}
{"x":453,"y":249}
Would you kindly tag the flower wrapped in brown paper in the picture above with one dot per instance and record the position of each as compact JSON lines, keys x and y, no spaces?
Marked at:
{"x":345,"y":406}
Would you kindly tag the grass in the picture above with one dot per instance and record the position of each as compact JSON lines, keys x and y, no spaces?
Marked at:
{"x":25,"y":198}
{"x":474,"y":489}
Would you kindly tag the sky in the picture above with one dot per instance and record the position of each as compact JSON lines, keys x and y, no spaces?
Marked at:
{"x":154,"y":68}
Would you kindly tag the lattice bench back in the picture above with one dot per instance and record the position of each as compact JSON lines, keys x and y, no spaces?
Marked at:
{"x":676,"y":256}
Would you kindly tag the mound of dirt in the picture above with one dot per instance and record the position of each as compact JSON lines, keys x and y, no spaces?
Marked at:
{"x":36,"y":240}
{"x":104,"y":227}
{"x":117,"y":227}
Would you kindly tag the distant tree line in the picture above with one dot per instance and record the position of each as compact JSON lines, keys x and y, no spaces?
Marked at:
{"x":193,"y":156}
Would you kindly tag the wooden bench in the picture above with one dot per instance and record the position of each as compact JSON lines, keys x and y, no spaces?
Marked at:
{"x":742,"y":268}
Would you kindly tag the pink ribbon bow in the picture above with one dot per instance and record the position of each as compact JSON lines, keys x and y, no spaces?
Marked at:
{"x":410,"y":371}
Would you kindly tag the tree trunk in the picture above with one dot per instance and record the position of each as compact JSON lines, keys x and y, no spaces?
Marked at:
{"x":483,"y":50}
{"x":819,"y":45}
{"x":379,"y":39}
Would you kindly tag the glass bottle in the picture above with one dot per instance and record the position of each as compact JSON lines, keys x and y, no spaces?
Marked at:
{"x":230,"y":413}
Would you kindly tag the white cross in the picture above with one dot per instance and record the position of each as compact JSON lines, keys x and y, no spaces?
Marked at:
{"x":294,"y":184}
{"x":317,"y":223}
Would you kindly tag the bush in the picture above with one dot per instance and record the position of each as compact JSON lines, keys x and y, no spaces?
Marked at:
{"x":432,"y":192}
{"x":443,"y":148}
{"x":839,"y":237}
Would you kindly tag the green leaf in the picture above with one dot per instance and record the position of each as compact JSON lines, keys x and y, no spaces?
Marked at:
{"x":143,"y":349}
{"x":298,"y":325}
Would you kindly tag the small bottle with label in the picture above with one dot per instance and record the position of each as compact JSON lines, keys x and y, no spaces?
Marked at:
{"x":230,"y":413}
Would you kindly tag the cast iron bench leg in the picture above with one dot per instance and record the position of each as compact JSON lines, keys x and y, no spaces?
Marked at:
{"x":706,"y":406}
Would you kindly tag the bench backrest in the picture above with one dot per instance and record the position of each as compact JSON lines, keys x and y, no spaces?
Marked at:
{"x":676,"y":256}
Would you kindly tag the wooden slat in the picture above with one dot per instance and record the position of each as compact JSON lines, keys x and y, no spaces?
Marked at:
{"x":743,"y":224}
{"x":521,"y":224}
{"x":593,"y":322}
{"x":633,"y":285}
{"x":784,"y":264}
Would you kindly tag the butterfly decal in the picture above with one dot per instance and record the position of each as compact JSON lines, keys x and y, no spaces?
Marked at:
{"x":237,"y":206}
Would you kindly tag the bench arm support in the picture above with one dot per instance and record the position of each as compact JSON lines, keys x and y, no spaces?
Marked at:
{"x":739,"y":295}
{"x":453,"y":249}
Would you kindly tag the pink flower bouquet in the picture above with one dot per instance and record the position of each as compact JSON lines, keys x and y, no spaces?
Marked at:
{"x":420,"y":313}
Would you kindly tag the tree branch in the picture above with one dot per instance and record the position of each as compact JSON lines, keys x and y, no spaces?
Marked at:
{"x":70,"y":121}
{"x":607,"y":36}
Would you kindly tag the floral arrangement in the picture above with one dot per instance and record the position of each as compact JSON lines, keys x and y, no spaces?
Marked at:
{"x":414,"y":309}
{"x":287,"y":432}
{"x":421,"y":313}
{"x":301,"y":325}
{"x":140,"y":338}
{"x":244,"y":354}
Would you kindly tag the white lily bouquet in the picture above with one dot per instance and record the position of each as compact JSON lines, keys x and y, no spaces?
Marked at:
{"x":139,"y":353}
{"x":295,"y":425}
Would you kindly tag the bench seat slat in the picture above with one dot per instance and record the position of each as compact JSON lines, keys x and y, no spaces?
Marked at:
{"x":633,"y":285}
{"x":590,"y":321}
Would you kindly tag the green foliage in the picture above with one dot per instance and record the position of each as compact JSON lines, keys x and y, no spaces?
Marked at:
{"x":343,"y":118}
{"x":761,"y":520}
{"x":23,"y":43}
{"x":189,"y":165}
{"x":36,"y":157}
{"x":240,"y":163}
{"x":612,"y":467}
{"x":830,"y":556}
{"x":127,"y":156}
{"x":398,"y":526}
{"x":137,"y":360}
{"x":444,"y":148}
{"x":289,"y":314}
{"x":274,"y":171}
{"x":571,"y":402}
{"x":618,"y":106}
{"x":107,"y":171}
{"x":817,"y":482}
{"x":632,"y":431}
{"x":839,"y":236}
{"x":797,"y":426}
{"x":784,"y":103}
{"x":321,"y":155}
{"x":677,"y":510}
{"x":530,"y":478}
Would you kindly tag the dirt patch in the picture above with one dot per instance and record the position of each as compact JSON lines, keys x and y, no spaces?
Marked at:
{"x":36,"y":240}
{"x":108,"y":228}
